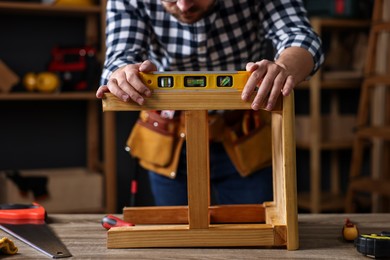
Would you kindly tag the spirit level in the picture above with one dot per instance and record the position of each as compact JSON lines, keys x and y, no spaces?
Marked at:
{"x":196,"y":80}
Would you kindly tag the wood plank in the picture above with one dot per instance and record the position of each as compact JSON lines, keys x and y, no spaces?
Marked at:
{"x":244,"y":213}
{"x":374,"y":80}
{"x":232,"y":235}
{"x":109,"y":142}
{"x":275,"y":213}
{"x":183,"y":100}
{"x":367,"y":184}
{"x":315,"y":142}
{"x":320,"y":238}
{"x":91,"y":29}
{"x":198,"y":169}
{"x":374,"y":132}
{"x":289,"y":172}
{"x":92,"y":136}
{"x":47,"y":9}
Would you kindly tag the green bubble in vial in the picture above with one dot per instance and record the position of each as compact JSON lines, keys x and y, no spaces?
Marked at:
{"x":225,"y":81}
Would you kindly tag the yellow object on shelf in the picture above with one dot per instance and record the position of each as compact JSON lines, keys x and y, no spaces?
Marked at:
{"x":46,"y":82}
{"x":7,"y":246}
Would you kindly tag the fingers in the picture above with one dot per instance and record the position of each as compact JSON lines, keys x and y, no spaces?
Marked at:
{"x":126,"y":84}
{"x":101,"y":90}
{"x":130,"y":83}
{"x":269,"y":79}
{"x":147,"y":66}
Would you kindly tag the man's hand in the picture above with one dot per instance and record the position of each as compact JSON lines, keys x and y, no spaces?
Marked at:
{"x":272,"y":78}
{"x":126,"y":84}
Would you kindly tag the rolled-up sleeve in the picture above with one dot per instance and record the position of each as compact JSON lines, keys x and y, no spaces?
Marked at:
{"x":126,"y":36}
{"x":286,"y":25}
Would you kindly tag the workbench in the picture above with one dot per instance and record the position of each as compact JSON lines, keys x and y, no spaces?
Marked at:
{"x":320,"y":238}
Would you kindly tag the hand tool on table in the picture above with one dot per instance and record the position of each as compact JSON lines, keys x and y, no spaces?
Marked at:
{"x":374,"y":245}
{"x":110,"y":221}
{"x":26,"y":222}
{"x":350,"y":230}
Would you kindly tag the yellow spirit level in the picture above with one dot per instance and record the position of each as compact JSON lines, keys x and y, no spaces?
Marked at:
{"x":196,"y":80}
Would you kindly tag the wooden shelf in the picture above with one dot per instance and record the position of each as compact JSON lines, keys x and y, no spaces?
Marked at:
{"x":48,"y":9}
{"x":49,"y":96}
{"x":374,"y":132}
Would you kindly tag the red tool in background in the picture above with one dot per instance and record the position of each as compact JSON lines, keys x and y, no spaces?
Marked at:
{"x":110,"y":221}
{"x":26,"y":222}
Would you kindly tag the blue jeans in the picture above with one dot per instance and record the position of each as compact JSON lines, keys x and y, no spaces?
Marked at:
{"x":227,"y":185}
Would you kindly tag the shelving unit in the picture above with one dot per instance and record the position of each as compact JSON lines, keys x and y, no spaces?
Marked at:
{"x":315,"y":142}
{"x":372,"y":136}
{"x":94,"y":36}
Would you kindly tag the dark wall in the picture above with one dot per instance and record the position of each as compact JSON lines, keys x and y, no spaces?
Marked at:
{"x":39,"y":134}
{"x":26,"y":40}
{"x":42,"y":134}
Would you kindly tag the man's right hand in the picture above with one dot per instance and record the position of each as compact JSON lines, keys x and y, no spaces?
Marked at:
{"x":126,"y":84}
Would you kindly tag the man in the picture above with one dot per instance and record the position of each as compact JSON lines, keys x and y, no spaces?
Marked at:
{"x":210,"y":35}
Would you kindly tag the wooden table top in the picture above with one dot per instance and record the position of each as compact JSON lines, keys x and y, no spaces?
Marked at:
{"x":320,"y":238}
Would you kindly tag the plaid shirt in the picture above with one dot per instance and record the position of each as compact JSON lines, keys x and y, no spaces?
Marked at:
{"x":234,"y":33}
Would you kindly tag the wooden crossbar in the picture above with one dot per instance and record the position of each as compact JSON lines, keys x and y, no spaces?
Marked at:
{"x":179,"y":100}
{"x":245,"y":213}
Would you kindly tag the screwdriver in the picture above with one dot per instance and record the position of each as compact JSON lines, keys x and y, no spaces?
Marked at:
{"x":110,"y":221}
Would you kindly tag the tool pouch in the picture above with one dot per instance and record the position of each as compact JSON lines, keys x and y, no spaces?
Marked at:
{"x":155,"y":142}
{"x":251,"y":151}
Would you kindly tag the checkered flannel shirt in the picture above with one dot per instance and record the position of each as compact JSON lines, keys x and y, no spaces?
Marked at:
{"x":234,"y":33}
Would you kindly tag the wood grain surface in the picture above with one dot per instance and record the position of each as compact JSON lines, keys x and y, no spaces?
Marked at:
{"x":320,"y":238}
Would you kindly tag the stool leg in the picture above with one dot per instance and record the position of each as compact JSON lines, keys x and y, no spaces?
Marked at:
{"x":198,"y":169}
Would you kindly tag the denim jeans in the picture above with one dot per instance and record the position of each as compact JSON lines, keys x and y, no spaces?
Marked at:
{"x":227,"y":185}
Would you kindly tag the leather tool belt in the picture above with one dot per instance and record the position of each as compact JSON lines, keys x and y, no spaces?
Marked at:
{"x":157,"y":141}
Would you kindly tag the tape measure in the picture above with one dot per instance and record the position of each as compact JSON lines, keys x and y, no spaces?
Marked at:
{"x":197,"y":80}
{"x":375,"y":245}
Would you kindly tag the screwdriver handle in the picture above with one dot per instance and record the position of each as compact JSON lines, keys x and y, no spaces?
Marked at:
{"x":110,"y":221}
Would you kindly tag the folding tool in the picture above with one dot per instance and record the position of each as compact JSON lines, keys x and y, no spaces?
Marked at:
{"x":27,"y":223}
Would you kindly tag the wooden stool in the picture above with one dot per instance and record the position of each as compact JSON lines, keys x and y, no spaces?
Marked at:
{"x":273,"y":223}
{"x":367,"y":132}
